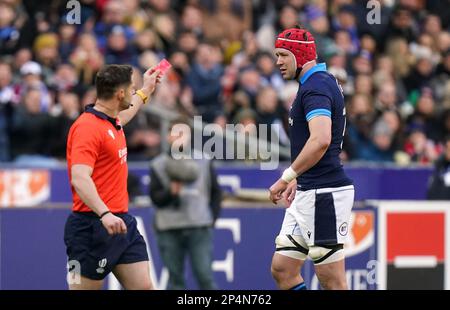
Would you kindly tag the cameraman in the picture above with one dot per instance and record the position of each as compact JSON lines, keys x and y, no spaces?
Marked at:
{"x":187,"y":197}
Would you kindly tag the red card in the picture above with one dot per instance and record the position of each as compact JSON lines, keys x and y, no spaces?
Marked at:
{"x":163,"y":66}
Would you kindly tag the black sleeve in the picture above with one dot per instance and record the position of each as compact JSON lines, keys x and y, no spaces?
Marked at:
{"x":159,"y":194}
{"x":216,"y":193}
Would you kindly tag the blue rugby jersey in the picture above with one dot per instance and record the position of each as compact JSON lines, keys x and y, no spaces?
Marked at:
{"x":319,"y":94}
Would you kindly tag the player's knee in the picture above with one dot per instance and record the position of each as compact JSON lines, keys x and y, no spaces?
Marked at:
{"x":147,"y":286}
{"x":289,"y":246}
{"x":279,"y":272}
{"x":144,"y":286}
{"x":140,"y":285}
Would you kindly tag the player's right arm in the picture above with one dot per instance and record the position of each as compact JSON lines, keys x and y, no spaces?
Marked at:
{"x":86,"y":144}
{"x":317,"y":106}
{"x":314,"y":149}
{"x":84,"y":186}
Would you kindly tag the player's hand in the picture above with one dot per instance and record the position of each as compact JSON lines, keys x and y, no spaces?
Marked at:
{"x":289,"y":193}
{"x":114,"y":224}
{"x":175,"y":188}
{"x":151,"y":78}
{"x":276,"y":190}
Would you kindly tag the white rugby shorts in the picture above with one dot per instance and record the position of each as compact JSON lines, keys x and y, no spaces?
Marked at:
{"x":320,"y":216}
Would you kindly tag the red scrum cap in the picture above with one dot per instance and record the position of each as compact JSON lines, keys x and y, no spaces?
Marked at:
{"x":300,"y":43}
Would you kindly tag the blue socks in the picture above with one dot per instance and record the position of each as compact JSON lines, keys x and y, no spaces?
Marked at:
{"x":299,"y":287}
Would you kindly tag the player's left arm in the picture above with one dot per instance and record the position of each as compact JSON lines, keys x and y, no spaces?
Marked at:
{"x":150,"y":79}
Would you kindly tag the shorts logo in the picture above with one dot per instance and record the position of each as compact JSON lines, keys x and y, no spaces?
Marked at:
{"x":291,"y":121}
{"x":343,"y":229}
{"x":309,"y":234}
{"x":101,"y":265}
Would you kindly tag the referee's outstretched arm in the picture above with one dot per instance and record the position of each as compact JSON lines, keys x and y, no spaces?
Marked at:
{"x":151,"y":78}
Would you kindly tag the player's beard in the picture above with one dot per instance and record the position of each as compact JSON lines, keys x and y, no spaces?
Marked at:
{"x":125,"y":104}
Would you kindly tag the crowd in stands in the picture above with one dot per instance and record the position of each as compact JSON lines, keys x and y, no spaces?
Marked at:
{"x":395,"y":74}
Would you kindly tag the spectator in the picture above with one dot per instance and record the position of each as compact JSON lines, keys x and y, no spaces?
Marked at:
{"x":31,"y":73}
{"x":187,"y":199}
{"x":187,"y":43}
{"x":379,"y":149}
{"x":86,"y":58}
{"x":192,"y":20}
{"x":424,"y":114}
{"x":403,"y":24}
{"x":204,"y":79}
{"x":419,"y":148}
{"x":6,"y":90}
{"x":270,"y":75}
{"x":6,"y":98}
{"x":345,"y":21}
{"x":386,"y":98}
{"x":118,"y":49}
{"x":439,"y":184}
{"x":69,"y":110}
{"x":32,"y":125}
{"x":67,"y":39}
{"x":113,"y":15}
{"x":384,"y":67}
{"x":45,"y":48}
{"x":165,"y":29}
{"x":9,"y":34}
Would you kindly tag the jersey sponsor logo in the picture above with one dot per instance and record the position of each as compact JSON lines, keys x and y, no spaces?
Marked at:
{"x":123,"y":155}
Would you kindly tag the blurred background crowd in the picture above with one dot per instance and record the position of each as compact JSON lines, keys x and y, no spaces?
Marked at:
{"x":395,"y":74}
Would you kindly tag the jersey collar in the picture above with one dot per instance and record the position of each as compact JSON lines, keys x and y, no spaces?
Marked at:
{"x":317,"y":68}
{"x":90,"y":109}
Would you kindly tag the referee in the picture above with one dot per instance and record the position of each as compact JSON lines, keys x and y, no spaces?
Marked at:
{"x":100,"y":235}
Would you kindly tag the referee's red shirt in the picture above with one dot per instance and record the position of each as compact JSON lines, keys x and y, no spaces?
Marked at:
{"x":98,"y":141}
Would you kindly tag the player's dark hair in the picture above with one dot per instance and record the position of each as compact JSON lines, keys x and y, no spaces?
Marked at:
{"x":110,"y":78}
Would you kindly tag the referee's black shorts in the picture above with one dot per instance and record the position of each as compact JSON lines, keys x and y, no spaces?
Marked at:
{"x":97,"y":252}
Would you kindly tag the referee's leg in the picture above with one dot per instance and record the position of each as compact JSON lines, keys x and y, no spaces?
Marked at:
{"x":134,"y":276}
{"x":85,"y":283}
